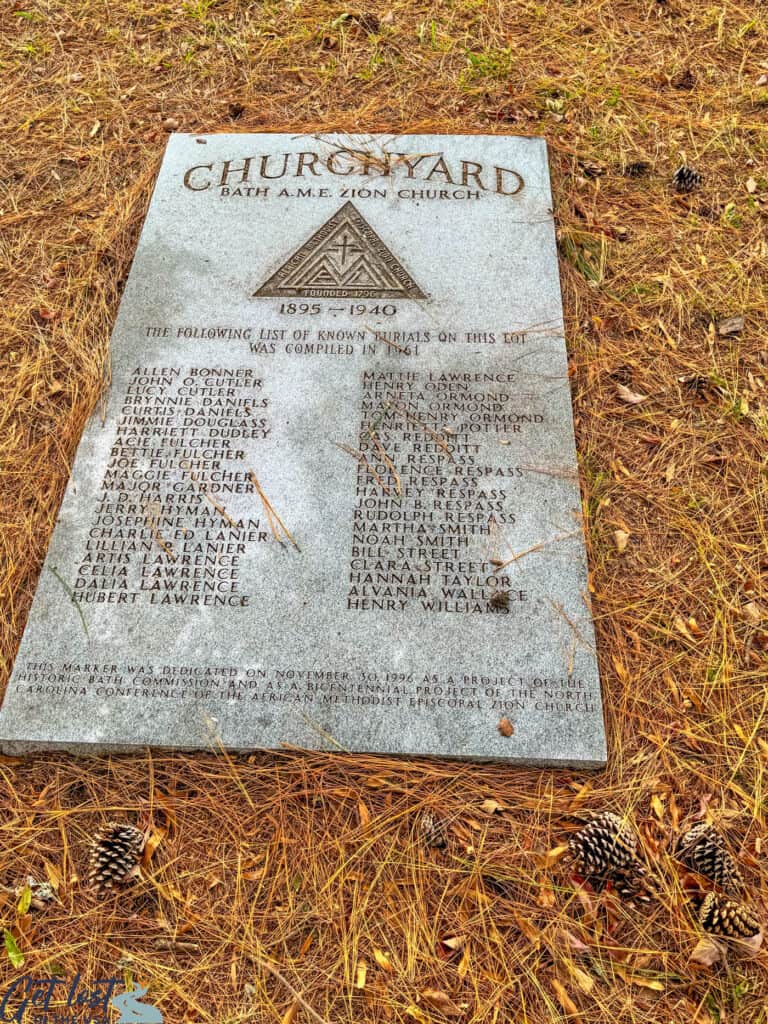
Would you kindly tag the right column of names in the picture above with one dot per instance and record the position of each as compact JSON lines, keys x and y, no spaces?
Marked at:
{"x":432,"y":492}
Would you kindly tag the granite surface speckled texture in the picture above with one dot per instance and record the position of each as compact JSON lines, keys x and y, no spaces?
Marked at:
{"x":334,"y":502}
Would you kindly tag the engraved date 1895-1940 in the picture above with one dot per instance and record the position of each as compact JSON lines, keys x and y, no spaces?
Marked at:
{"x":351,"y":309}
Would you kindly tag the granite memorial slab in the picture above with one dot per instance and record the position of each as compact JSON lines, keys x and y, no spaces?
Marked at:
{"x":334,"y":500}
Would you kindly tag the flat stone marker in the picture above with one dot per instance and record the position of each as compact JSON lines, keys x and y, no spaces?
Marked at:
{"x":334,"y":501}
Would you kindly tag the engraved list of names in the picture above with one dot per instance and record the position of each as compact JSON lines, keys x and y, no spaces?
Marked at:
{"x":334,"y":501}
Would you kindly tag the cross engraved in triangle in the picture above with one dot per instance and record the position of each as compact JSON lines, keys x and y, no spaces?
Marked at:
{"x":344,"y":259}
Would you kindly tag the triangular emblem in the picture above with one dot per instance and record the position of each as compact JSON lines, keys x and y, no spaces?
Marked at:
{"x":344,"y":259}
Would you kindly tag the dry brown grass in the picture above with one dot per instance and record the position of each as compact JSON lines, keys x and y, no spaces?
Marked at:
{"x":310,"y":861}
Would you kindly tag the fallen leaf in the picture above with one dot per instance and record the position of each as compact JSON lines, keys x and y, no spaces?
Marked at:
{"x":621,"y":539}
{"x":658,"y":807}
{"x":585,"y":981}
{"x":441,"y":1001}
{"x":752,"y":944}
{"x":505,"y":727}
{"x":752,"y":613}
{"x":621,"y":669}
{"x":553,"y":856}
{"x":563,"y":998}
{"x":417,"y":1014}
{"x":361,"y":974}
{"x":365,"y":814}
{"x":491,"y":806}
{"x":53,"y":874}
{"x":290,"y":1014}
{"x":11,"y":948}
{"x":708,"y":951}
{"x":546,"y":896}
{"x":681,"y":627}
{"x":630,"y":397}
{"x":254,"y":874}
{"x":464,"y":964}
{"x":730,"y":326}
{"x":25,"y":900}
{"x":154,"y":840}
{"x":751,"y":186}
{"x":529,"y":930}
{"x":455,"y":942}
{"x":383,"y":960}
{"x":573,"y":941}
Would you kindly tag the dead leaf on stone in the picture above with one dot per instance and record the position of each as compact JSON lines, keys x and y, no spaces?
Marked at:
{"x":441,"y":1001}
{"x":505,"y":727}
{"x":621,"y":539}
{"x":730,"y":325}
{"x":629,"y":396}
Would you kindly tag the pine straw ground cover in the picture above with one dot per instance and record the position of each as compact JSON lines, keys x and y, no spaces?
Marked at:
{"x":310,"y":865}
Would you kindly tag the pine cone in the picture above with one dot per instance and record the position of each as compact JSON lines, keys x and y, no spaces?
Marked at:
{"x":632,"y":886}
{"x":432,"y":831}
{"x":606,"y":846}
{"x":637,"y":169}
{"x":703,"y":849}
{"x":686,"y":179}
{"x":719,"y":915}
{"x":114,"y":856}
